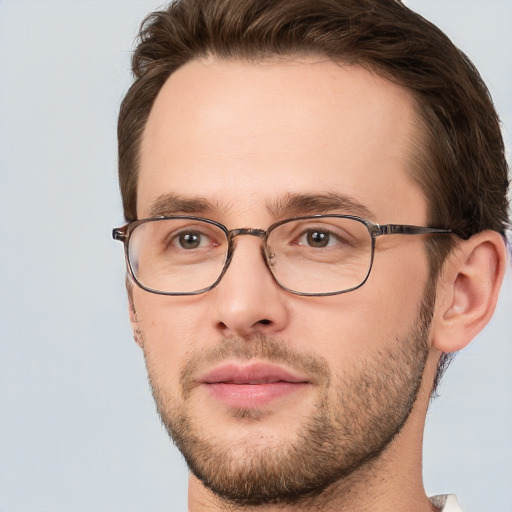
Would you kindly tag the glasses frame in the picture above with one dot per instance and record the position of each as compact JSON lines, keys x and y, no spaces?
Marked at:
{"x":375,"y":230}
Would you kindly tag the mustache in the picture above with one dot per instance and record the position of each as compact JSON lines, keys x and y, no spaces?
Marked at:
{"x":258,"y":346}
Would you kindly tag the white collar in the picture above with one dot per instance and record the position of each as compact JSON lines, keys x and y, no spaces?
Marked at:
{"x":446,"y":502}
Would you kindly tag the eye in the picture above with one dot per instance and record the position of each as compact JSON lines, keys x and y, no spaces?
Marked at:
{"x":192,"y":240}
{"x":318,"y":238}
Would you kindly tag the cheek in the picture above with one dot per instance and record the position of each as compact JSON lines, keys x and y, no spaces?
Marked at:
{"x":171,"y":327}
{"x":350,"y":327}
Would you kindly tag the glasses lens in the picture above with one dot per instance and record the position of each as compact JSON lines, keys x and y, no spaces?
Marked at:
{"x":177,"y":255}
{"x":320,"y":255}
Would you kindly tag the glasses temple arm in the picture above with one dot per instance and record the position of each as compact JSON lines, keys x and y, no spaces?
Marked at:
{"x":404,"y":229}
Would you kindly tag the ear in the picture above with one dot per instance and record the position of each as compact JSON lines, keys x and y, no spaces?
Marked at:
{"x":468,"y":289}
{"x":134,"y":321}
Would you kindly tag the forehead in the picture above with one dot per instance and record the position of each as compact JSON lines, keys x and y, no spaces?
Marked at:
{"x":244,"y":134}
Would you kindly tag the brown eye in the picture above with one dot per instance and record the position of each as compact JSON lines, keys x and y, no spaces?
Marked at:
{"x":190,"y":240}
{"x":318,"y":238}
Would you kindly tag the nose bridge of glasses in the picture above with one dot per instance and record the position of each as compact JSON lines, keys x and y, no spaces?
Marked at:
{"x":255,"y":232}
{"x":260,"y":233}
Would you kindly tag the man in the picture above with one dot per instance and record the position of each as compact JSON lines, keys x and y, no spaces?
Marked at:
{"x":316,"y":198}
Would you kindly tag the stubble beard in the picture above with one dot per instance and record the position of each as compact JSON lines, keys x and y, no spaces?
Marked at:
{"x":370,"y":406}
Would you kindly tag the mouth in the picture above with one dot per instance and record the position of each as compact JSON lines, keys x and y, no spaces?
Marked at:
{"x":251,"y":386}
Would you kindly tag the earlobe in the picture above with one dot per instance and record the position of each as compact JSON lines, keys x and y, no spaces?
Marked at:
{"x":468,"y":290}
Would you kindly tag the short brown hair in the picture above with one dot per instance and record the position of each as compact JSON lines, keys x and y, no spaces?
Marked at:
{"x":460,"y":160}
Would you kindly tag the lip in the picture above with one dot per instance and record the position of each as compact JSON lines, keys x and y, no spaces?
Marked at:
{"x":253,"y":385}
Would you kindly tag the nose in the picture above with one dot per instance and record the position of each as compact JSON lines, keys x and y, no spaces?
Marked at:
{"x":248,"y":301}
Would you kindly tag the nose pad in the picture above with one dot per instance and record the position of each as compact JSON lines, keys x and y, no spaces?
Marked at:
{"x":268,"y":256}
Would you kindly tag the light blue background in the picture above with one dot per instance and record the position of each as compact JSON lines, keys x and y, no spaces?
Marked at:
{"x":78,"y":430}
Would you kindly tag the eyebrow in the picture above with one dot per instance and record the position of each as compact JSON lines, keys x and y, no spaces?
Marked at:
{"x":291,"y":205}
{"x":173,"y":204}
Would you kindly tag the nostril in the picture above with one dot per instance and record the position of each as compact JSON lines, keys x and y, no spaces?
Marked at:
{"x":265,"y":322}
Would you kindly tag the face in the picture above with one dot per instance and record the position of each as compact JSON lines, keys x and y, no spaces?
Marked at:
{"x":253,"y":382}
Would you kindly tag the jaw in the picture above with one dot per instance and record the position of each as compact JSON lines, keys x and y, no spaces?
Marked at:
{"x":382,"y":476}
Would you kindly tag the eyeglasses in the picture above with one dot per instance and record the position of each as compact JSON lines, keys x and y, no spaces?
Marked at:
{"x":315,"y":255}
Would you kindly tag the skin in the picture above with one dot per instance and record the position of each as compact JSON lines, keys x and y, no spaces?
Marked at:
{"x":242,"y":136}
